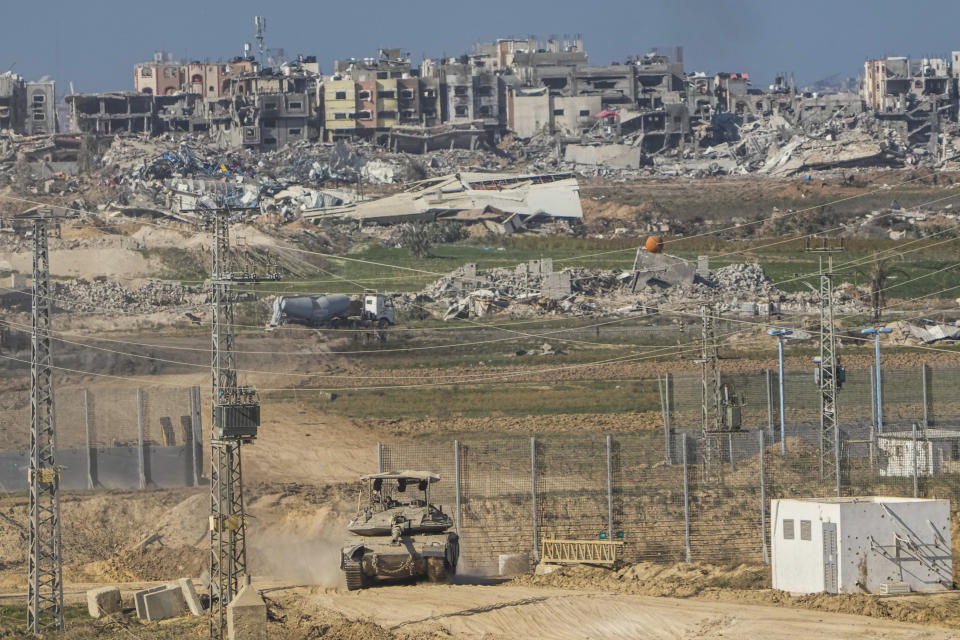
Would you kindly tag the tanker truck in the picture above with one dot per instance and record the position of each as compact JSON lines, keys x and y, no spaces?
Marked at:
{"x":373,"y":310}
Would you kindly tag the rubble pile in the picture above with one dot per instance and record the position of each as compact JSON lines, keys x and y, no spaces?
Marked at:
{"x":534,"y":288}
{"x":102,"y":295}
{"x":748,"y":279}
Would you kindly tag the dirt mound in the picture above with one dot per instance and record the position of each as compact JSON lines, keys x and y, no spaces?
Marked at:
{"x":747,"y":583}
{"x":164,"y":563}
{"x":647,"y":578}
{"x":629,"y":421}
{"x":295,"y":619}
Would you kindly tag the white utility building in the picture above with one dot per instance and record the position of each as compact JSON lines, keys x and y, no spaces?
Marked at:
{"x":857,"y":545}
{"x":937,"y":451}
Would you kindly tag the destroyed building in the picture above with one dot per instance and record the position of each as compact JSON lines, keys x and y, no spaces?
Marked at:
{"x":27,"y":108}
{"x":162,"y":76}
{"x":643,"y":112}
{"x":468,"y":197}
{"x":264,"y":108}
{"x":913,"y":95}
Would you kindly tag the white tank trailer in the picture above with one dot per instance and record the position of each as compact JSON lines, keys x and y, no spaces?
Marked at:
{"x":334,"y":310}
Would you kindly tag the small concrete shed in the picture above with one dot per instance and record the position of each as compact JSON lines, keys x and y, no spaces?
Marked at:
{"x":857,"y":545}
{"x":937,"y":451}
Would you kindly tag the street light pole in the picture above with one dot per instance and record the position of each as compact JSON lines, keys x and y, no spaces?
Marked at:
{"x":780,"y":333}
{"x":876,"y":331}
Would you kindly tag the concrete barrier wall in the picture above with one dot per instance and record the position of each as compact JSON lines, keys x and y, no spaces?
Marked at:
{"x":109,"y":468}
{"x":111,"y":439}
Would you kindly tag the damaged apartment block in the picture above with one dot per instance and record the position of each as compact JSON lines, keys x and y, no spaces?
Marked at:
{"x":27,"y":108}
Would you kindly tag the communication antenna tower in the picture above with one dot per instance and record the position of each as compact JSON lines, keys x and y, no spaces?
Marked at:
{"x":260,"y":23}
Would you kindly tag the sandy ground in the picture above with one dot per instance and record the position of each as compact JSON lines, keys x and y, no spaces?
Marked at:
{"x":507,"y":611}
{"x":304,"y":445}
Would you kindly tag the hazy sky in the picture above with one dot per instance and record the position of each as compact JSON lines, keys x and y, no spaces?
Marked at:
{"x":96,"y":43}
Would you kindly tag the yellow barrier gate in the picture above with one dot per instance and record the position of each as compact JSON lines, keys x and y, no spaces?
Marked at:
{"x":580,"y":551}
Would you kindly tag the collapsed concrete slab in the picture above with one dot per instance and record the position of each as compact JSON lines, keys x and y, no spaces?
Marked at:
{"x":103,"y":601}
{"x":617,"y":156}
{"x":556,"y":195}
{"x":138,"y":599}
{"x":190,"y":595}
{"x":166,"y":602}
{"x":663,"y":268}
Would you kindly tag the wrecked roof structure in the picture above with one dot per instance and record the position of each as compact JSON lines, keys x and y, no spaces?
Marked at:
{"x":556,"y":195}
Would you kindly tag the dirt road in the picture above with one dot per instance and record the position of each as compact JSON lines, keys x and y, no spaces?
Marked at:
{"x":508,"y":611}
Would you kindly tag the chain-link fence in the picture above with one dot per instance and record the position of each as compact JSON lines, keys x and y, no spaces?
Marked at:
{"x":923,"y":394}
{"x":109,"y":438}
{"x":663,"y":499}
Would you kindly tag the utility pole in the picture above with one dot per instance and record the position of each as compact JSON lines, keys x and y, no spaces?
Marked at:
{"x":720,"y":413}
{"x":709,"y":389}
{"x":878,"y":386}
{"x":830,"y":376}
{"x":780,"y":333}
{"x":236,"y":420}
{"x":45,"y":581}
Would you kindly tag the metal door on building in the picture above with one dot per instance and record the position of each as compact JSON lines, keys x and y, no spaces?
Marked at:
{"x":830,"y":557}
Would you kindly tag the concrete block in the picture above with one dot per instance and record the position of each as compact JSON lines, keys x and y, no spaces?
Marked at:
{"x":190,"y":595}
{"x":616,"y":156}
{"x":247,"y":615}
{"x":138,"y":600}
{"x":103,"y":601}
{"x":168,"y":602}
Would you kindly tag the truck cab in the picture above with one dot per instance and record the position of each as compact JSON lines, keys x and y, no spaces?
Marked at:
{"x":378,"y":307}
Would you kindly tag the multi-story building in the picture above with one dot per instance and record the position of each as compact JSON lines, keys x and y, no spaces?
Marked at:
{"x":27,"y":108}
{"x":339,"y":106}
{"x":12,"y":102}
{"x":273,"y":107}
{"x":41,"y":108}
{"x":370,"y":96}
{"x":660,"y":78}
{"x":912,"y":95}
{"x":731,"y":90}
{"x":163,"y":77}
{"x":160,"y":77}
{"x":470,"y":93}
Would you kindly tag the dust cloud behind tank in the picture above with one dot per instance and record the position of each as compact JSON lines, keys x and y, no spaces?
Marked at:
{"x":398,"y":533}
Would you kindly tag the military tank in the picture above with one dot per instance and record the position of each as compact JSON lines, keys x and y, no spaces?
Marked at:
{"x":397,"y":533}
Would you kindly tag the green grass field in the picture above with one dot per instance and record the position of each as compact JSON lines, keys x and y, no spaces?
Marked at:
{"x":396,"y":269}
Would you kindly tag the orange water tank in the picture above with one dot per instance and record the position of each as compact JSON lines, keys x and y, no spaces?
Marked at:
{"x":654,"y":244}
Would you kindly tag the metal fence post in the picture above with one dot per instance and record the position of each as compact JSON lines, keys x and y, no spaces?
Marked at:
{"x":686,"y":501}
{"x":873,"y":397}
{"x":769,"y":401}
{"x":86,"y":424}
{"x":456,"y":479}
{"x":916,"y":487}
{"x":141,"y":460}
{"x":763,"y":504}
{"x":533,"y":490}
{"x":664,"y":386}
{"x":926,"y":405}
{"x":609,"y":488}
{"x":196,"y":439}
{"x":379,"y":457}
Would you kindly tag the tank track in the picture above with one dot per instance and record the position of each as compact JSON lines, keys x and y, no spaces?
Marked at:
{"x":354,"y":574}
